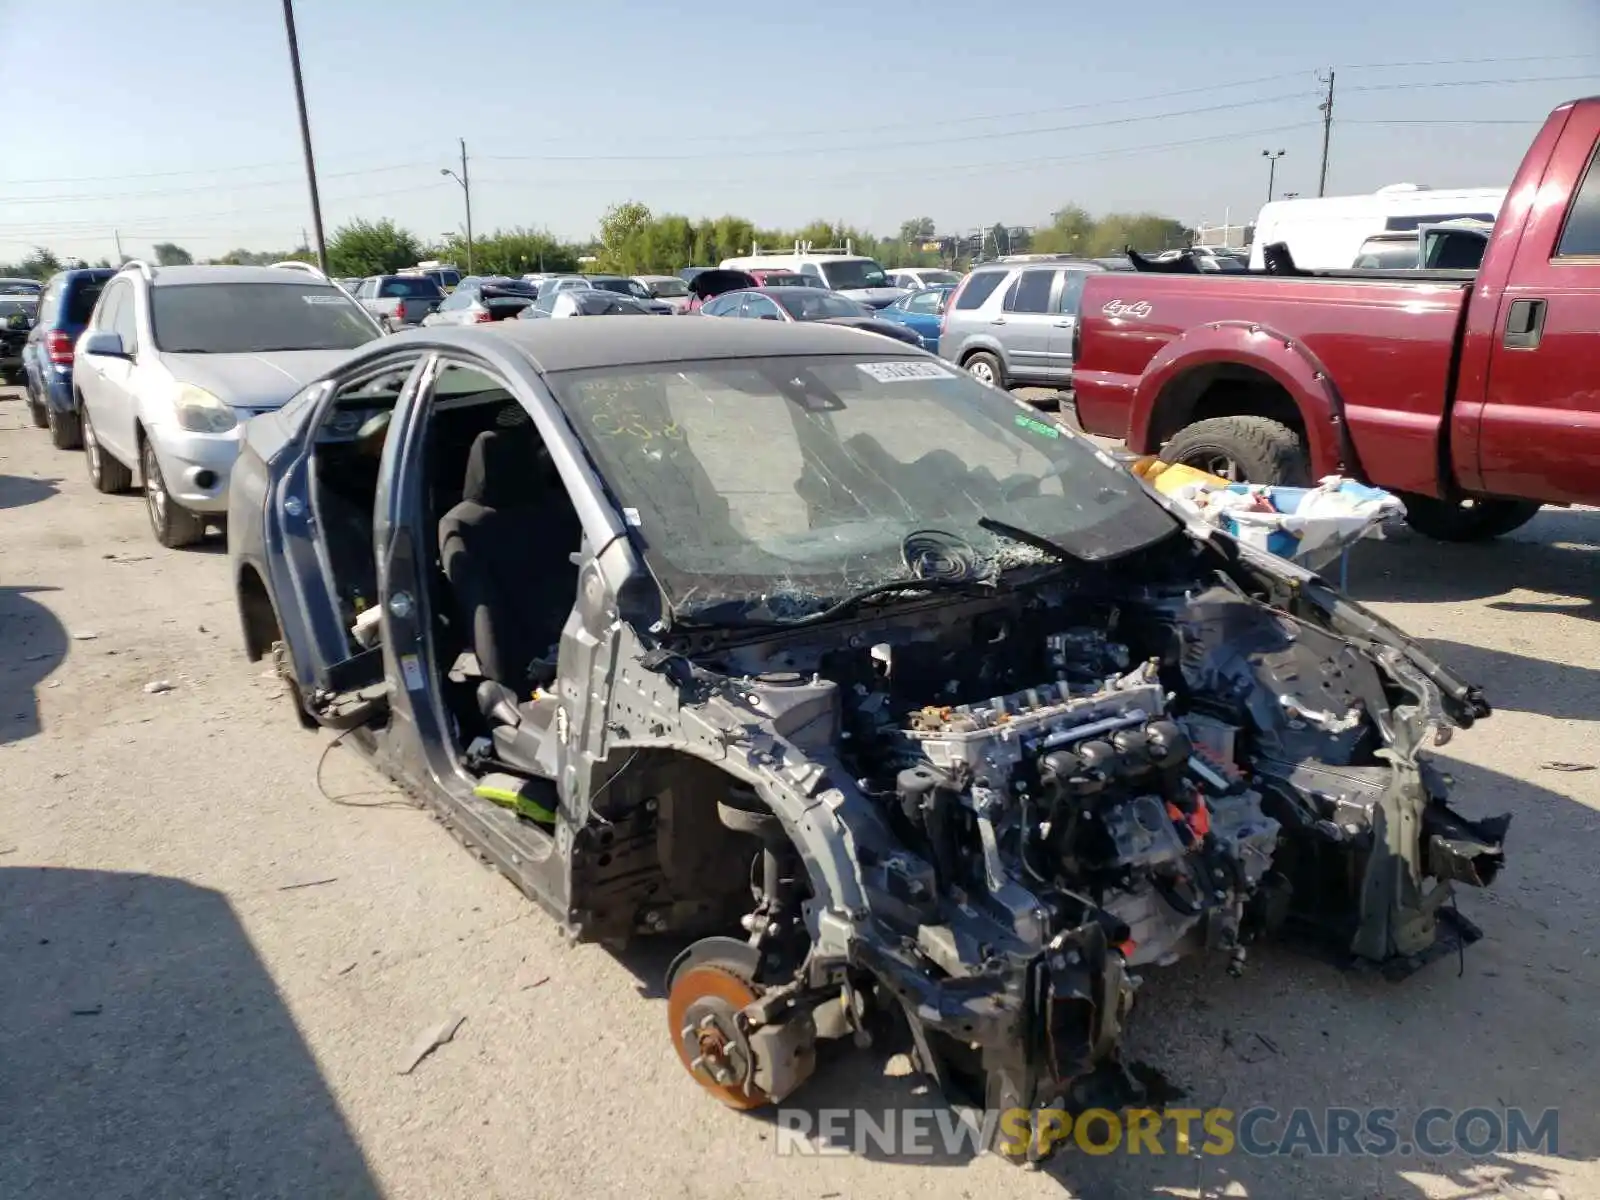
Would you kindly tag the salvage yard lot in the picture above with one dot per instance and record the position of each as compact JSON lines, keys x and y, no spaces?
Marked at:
{"x":215,"y":976}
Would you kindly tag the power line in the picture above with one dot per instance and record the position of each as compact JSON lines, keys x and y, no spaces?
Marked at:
{"x":135,"y":223}
{"x":942,"y":170}
{"x":878,"y":147}
{"x":162,"y":193}
{"x":1464,"y":62}
{"x":1004,"y":116}
{"x":833,"y":131}
{"x":1442,"y":121}
{"x":1453,"y":83}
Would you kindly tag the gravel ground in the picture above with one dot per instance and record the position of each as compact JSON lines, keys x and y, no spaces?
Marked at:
{"x":215,"y":976}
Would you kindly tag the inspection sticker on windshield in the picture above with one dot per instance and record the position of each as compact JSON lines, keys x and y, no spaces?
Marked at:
{"x":314,"y":298}
{"x":893,"y":372}
{"x":1034,"y":425}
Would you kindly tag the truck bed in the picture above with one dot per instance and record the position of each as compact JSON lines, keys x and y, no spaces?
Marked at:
{"x":1388,"y":337}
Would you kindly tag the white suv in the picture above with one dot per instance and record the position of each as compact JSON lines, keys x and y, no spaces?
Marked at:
{"x":175,"y":359}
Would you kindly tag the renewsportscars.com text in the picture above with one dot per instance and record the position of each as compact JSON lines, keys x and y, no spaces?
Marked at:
{"x":1259,"y":1132}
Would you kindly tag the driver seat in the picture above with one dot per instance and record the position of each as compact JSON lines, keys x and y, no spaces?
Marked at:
{"x":506,"y":550}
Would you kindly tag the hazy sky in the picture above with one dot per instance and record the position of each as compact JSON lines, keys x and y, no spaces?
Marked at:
{"x":174,"y":120}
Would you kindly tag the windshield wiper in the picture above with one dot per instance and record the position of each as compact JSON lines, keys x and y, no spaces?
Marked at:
{"x":843,"y":605}
{"x":1018,"y":534}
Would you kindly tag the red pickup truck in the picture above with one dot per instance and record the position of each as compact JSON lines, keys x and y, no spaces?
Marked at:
{"x":1474,"y":396}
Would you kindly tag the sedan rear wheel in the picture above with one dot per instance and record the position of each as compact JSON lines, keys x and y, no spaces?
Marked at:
{"x":174,"y":525}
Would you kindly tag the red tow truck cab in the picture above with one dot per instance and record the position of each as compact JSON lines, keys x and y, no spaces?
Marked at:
{"x":1475,"y":396}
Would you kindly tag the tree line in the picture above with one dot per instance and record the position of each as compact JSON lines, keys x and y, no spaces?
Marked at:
{"x":631,"y":240}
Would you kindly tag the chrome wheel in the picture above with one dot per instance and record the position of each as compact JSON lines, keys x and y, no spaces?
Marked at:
{"x":91,"y":448}
{"x":155,"y":489}
{"x":982,"y":371}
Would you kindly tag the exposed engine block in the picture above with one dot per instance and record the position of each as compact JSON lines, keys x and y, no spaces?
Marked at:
{"x":1089,"y":795}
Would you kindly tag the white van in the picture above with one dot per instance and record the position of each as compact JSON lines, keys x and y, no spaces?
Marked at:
{"x":843,"y":270}
{"x":1328,"y":233}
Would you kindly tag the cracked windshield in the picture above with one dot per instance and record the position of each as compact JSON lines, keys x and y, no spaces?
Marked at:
{"x":791,"y":483}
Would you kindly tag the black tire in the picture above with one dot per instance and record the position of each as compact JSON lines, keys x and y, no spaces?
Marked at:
{"x":1468,"y":520}
{"x":36,"y":409}
{"x":105,"y":473}
{"x":1242,"y":449}
{"x":173,"y":524}
{"x":285,"y":668}
{"x":986,"y":368}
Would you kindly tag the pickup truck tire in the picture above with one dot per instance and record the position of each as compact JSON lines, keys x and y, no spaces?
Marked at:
{"x":1242,"y":449}
{"x":1469,"y":520}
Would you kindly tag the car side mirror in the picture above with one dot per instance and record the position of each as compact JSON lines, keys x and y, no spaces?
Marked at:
{"x":771,"y":317}
{"x":105,"y":344}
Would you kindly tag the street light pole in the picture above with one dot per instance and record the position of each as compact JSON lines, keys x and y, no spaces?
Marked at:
{"x":305,"y":134}
{"x":1272,"y":157}
{"x":466,"y":187}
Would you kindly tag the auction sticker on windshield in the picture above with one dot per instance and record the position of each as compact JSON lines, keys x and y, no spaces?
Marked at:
{"x":893,"y":372}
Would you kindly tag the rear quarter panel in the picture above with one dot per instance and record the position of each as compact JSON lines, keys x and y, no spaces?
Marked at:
{"x":1374,"y":355}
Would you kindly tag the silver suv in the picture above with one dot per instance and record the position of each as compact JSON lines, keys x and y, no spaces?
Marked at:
{"x":176,"y":358}
{"x":1011,"y":324}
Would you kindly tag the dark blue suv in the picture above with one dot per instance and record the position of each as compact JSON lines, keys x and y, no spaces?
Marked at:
{"x":64,"y":310}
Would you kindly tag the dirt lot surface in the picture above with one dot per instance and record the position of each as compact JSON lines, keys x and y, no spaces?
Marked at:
{"x":215,"y":977}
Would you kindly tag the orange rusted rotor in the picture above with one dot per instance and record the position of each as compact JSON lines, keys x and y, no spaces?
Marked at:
{"x":700,"y":1017}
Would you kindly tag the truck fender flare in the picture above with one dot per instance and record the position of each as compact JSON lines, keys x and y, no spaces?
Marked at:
{"x":1284,"y":360}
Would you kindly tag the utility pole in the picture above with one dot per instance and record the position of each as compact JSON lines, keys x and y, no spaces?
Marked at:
{"x":305,"y":134}
{"x":466,"y":188}
{"x":303,"y":240}
{"x":1327,"y":132}
{"x":116,"y":237}
{"x":1272,"y":157}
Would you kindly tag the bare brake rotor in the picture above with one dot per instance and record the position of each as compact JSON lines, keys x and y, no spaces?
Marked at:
{"x":705,"y":994}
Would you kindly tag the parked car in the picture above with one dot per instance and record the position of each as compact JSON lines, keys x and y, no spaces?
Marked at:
{"x":808,"y":305}
{"x":621,"y":285}
{"x":840,"y":268}
{"x":396,"y":301}
{"x":446,"y":275}
{"x":1011,"y":324}
{"x":688,"y":273}
{"x":563,"y":283}
{"x":1448,"y":246}
{"x":349,"y":283}
{"x":921,"y":312}
{"x":668,"y":289}
{"x":647,"y":611}
{"x":1470,"y":395}
{"x":64,"y":308}
{"x":587,"y":302}
{"x":16,"y":285}
{"x":714,"y":282}
{"x":917,"y":278}
{"x":480,"y":300}
{"x":17,"y":315}
{"x":783,"y":277}
{"x":175,"y":358}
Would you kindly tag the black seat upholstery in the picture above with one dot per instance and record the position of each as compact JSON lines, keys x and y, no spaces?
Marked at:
{"x":506,"y":549}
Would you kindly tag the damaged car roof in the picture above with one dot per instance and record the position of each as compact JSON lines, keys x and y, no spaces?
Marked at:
{"x":571,"y":346}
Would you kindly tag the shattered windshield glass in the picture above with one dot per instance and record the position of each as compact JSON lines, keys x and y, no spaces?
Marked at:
{"x":788,"y":484}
